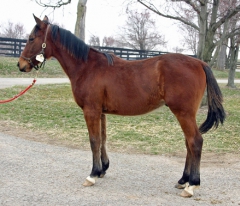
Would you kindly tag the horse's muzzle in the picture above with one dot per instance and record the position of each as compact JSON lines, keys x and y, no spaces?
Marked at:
{"x":21,"y":69}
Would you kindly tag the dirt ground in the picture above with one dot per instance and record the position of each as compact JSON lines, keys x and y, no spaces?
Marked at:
{"x":35,"y":170}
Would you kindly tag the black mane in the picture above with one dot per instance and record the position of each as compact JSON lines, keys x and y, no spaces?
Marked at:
{"x":74,"y":45}
{"x":70,"y":42}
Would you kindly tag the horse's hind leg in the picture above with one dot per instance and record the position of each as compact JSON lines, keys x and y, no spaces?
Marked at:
{"x":184,"y":181}
{"x":104,"y":156}
{"x":194,"y":141}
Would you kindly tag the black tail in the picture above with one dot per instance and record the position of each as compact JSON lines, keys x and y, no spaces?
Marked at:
{"x":216,"y":111}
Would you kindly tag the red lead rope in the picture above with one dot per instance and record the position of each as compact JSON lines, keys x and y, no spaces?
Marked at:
{"x":18,"y":95}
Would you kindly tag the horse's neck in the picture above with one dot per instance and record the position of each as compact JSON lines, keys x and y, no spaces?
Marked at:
{"x":70,"y":65}
{"x":74,"y":68}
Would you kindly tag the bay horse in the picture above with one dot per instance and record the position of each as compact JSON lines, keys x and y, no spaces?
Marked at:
{"x":103,"y":84}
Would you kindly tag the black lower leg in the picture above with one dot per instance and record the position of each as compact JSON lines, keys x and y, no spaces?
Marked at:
{"x":104,"y":160}
{"x":96,"y":170}
{"x":194,"y":178}
{"x":186,"y":172}
{"x":105,"y":166}
{"x":184,"y":179}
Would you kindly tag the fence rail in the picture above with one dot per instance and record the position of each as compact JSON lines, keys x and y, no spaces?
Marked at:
{"x":130,"y":54}
{"x":13,"y":48}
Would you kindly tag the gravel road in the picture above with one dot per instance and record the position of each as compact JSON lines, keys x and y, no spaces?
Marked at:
{"x":9,"y":82}
{"x":34,"y":173}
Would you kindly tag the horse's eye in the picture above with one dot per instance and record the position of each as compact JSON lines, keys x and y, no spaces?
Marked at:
{"x":31,"y":39}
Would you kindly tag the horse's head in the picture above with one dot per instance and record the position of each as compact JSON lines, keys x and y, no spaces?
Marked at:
{"x":36,"y":50}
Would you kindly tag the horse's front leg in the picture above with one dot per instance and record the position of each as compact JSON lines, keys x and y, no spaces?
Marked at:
{"x":93,"y":119}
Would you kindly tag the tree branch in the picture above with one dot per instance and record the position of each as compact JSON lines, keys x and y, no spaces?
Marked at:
{"x":230,"y":13}
{"x":151,"y":7}
{"x":194,"y":6}
{"x":58,"y":4}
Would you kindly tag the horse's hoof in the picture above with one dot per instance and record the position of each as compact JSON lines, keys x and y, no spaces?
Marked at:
{"x":181,"y":186}
{"x":186,"y":194}
{"x":89,"y":181}
{"x":188,"y":191}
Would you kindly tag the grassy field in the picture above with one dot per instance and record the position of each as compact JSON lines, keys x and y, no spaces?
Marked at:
{"x":8,"y":68}
{"x":51,"y":110}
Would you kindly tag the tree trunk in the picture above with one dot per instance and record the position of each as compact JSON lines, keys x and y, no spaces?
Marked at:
{"x":80,"y":22}
{"x":221,"y":60}
{"x":202,"y":21}
{"x":234,"y":49}
{"x":209,"y":46}
{"x":210,"y":32}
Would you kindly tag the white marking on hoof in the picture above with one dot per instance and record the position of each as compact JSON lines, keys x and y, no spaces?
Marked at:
{"x":188,"y":191}
{"x":181,"y":186}
{"x":89,"y":181}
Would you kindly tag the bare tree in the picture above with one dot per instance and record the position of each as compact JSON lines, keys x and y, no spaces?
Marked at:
{"x":108,"y":41}
{"x":232,"y":59}
{"x":219,"y":58}
{"x":94,"y":41}
{"x":140,"y":32}
{"x":12,"y":30}
{"x":206,"y":22}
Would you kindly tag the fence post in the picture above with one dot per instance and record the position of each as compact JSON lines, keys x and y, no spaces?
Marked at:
{"x":15,"y":48}
{"x":20,"y":48}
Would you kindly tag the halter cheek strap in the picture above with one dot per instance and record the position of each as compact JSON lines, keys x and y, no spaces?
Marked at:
{"x":39,"y":56}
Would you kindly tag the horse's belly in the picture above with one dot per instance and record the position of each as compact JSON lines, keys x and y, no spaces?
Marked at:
{"x":132,"y":106}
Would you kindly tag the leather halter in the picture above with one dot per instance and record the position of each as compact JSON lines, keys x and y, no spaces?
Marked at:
{"x":39,"y":56}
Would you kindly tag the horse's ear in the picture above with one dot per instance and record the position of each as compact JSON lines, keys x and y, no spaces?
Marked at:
{"x":38,"y":21}
{"x":46,"y":19}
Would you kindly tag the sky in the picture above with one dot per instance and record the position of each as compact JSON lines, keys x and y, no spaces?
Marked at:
{"x":103,"y":18}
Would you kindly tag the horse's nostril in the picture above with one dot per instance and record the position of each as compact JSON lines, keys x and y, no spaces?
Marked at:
{"x":18,"y":64}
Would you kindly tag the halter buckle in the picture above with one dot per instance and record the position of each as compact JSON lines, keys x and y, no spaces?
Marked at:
{"x":44,"y":45}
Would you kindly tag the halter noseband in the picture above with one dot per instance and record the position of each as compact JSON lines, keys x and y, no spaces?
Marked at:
{"x":39,"y":56}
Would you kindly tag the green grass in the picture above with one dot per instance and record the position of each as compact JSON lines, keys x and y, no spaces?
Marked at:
{"x":224,"y":74}
{"x":52,"y":110}
{"x":8,"y":68}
